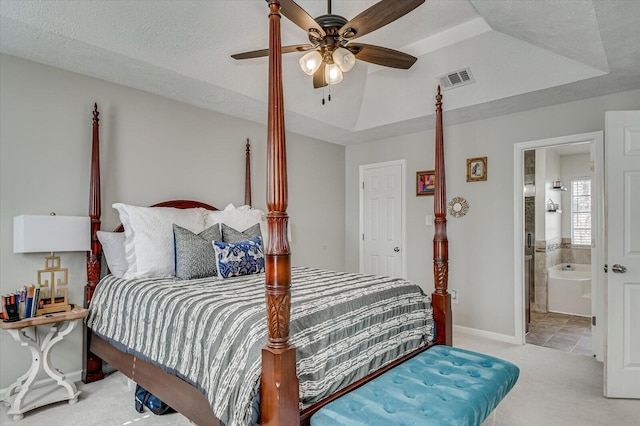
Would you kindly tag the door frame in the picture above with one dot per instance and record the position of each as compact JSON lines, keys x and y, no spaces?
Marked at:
{"x":598,"y":231}
{"x":403,"y":215}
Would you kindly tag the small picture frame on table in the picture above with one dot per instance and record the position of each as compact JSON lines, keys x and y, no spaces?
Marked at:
{"x":425,"y":182}
{"x":476,"y":169}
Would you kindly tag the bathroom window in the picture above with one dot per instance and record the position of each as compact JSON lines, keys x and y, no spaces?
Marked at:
{"x":581,"y":212}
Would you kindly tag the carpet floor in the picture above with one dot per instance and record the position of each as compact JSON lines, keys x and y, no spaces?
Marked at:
{"x":555,"y":389}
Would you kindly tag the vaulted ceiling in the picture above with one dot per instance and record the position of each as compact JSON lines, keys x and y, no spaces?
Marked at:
{"x":522,"y":54}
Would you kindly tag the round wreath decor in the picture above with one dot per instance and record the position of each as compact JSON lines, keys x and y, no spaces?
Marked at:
{"x":458,"y":207}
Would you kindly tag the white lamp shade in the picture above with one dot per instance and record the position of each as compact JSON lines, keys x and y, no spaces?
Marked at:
{"x":332,"y":74}
{"x":41,"y":234}
{"x":311,"y":62}
{"x":344,"y":59}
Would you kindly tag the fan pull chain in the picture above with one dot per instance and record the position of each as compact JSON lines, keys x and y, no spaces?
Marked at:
{"x":328,"y":97}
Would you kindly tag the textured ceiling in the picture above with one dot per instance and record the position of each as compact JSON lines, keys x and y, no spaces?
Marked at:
{"x":523,"y":54}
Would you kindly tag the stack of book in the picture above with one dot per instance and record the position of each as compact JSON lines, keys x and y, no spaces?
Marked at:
{"x":22,"y":304}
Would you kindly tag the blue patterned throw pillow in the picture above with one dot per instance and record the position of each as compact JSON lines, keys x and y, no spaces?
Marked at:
{"x":242,"y":258}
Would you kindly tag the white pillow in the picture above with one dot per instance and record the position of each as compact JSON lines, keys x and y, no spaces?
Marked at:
{"x":113,"y":249}
{"x":149,"y":246}
{"x":239,"y":218}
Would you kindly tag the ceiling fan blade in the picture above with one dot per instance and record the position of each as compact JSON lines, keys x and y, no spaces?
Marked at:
{"x":381,"y":56}
{"x":318,"y":77}
{"x":265,"y":52}
{"x":378,"y":15}
{"x":298,"y":16}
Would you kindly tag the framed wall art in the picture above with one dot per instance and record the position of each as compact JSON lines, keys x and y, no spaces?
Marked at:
{"x":476,"y":169}
{"x":426,"y":182}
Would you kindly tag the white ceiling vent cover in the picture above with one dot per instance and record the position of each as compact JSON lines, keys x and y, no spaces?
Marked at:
{"x":454,"y":79}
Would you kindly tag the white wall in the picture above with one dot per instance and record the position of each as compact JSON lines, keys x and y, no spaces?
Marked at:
{"x":152,"y":149}
{"x":541,"y":193}
{"x":553,"y":220}
{"x":480,"y":243}
{"x":573,"y":166}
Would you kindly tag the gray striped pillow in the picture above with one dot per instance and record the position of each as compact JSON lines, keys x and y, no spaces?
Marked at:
{"x":195,"y":257}
{"x":230,"y":235}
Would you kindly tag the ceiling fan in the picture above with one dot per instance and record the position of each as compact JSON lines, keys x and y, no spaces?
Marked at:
{"x":331,"y":52}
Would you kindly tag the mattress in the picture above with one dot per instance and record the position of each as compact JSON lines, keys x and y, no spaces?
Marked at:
{"x":210,"y":332}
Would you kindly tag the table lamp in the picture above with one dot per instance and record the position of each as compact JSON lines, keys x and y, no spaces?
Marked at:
{"x":41,"y":234}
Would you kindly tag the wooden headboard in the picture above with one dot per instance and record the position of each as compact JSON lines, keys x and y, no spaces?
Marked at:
{"x":92,"y":365}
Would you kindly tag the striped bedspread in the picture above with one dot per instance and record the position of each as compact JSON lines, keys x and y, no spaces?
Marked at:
{"x":210,"y":332}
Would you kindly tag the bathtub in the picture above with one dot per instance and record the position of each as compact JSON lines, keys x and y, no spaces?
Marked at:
{"x":570,"y":291}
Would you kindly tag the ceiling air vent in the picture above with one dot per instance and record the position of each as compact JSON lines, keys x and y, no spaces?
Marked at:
{"x":455,"y":79}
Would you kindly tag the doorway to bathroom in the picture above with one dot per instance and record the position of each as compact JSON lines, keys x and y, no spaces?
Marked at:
{"x":558,"y":220}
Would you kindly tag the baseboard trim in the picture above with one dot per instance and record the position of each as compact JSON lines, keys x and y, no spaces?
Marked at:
{"x":75,"y":377}
{"x":486,"y":334}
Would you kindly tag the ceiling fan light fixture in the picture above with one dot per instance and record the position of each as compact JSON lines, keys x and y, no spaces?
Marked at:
{"x":311,"y":62}
{"x":332,"y":74}
{"x":344,"y":59}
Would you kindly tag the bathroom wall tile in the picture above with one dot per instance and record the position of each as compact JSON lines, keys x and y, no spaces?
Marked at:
{"x":529,"y":213}
{"x":553,"y":244}
{"x":541,"y":299}
{"x":582,"y":256}
{"x":540,"y":283}
{"x":540,"y":262}
{"x":530,"y":164}
{"x":579,"y":255}
{"x":553,"y":257}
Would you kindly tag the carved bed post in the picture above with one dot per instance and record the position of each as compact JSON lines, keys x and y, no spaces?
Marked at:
{"x":247,"y":174}
{"x":279,"y":403}
{"x":92,"y":365}
{"x":441,"y":298}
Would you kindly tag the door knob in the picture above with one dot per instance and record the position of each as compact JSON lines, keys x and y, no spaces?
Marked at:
{"x":396,"y":249}
{"x":618,"y":269}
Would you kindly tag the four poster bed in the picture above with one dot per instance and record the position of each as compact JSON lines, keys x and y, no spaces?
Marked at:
{"x":280,"y":397}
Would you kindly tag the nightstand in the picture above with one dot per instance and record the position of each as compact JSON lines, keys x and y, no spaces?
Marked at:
{"x":22,"y":396}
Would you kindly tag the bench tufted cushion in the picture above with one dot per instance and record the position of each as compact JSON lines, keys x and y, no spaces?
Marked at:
{"x":440,"y":386}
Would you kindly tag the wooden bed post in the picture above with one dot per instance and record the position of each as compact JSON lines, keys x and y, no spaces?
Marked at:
{"x":91,"y":364}
{"x":247,"y":174}
{"x":279,"y":401}
{"x":441,"y":298}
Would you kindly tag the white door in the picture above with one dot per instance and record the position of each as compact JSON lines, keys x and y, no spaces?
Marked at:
{"x":622,"y":362}
{"x":381,"y":219}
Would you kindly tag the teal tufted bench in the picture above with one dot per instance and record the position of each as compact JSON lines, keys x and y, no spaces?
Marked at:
{"x":440,"y":386}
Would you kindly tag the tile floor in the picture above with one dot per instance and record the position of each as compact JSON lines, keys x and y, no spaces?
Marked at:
{"x":568,"y":333}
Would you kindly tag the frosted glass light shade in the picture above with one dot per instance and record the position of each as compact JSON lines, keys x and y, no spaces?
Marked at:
{"x":344,"y":59}
{"x":41,"y":234}
{"x":311,"y":62}
{"x":332,"y":74}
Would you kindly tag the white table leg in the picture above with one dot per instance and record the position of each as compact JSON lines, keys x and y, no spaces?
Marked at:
{"x":15,"y":387}
{"x":51,"y":339}
{"x":25,"y":381}
{"x":40,"y":361}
